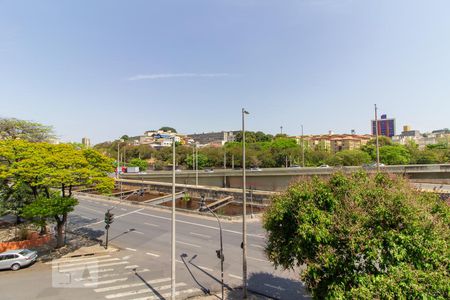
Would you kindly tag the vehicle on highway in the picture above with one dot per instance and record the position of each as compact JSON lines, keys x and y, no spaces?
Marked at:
{"x":295,"y":167}
{"x":324,"y":166}
{"x":209,"y":170}
{"x":255,"y":169}
{"x":16,"y":259}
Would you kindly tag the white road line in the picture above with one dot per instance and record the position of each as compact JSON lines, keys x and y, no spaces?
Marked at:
{"x":102,"y":221}
{"x":84,"y":217}
{"x":129,"y":213}
{"x":257,"y":246}
{"x":88,"y":208}
{"x":91,"y":284}
{"x":258,"y":259}
{"x":100,"y":265}
{"x":167,"y":295}
{"x":143,"y":291}
{"x":235,"y":276}
{"x":124,"y":286}
{"x":150,"y":224}
{"x":75,"y":259}
{"x":202,"y":225}
{"x":179,"y":261}
{"x":188,"y":244}
{"x":152,"y":254}
{"x":110,"y":275}
{"x":274,"y":287}
{"x":131,"y":249}
{"x":124,"y":209}
{"x":84,"y":263}
{"x":138,"y":232}
{"x":205,"y":268}
{"x":202,"y":235}
{"x":132,"y":267}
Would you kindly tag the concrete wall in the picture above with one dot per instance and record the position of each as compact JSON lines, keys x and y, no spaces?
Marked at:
{"x":211,"y":192}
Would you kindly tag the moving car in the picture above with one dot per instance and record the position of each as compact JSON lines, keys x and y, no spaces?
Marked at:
{"x":324,"y":166}
{"x":255,"y":169}
{"x":16,"y":259}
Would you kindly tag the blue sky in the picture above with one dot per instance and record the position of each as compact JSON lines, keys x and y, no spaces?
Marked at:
{"x":105,"y":68}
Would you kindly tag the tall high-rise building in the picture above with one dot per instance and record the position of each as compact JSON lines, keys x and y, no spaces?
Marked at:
{"x":386,"y":126}
{"x":86,"y":142}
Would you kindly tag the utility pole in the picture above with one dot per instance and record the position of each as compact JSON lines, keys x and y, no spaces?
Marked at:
{"x":224,"y":159}
{"x":303,"y":150}
{"x":281,"y":129}
{"x":196,"y":164}
{"x":173,"y":220}
{"x":232,"y":161}
{"x":118,"y":159}
{"x":376,"y":138}
{"x":244,"y":211}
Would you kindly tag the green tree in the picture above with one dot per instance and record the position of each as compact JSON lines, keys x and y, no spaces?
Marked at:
{"x":351,"y":158}
{"x":136,"y":162}
{"x":56,"y":207}
{"x":13,"y":129}
{"x":31,"y":171}
{"x":202,"y":161}
{"x":362,"y":237}
{"x":394,"y":155}
{"x":167,"y":129}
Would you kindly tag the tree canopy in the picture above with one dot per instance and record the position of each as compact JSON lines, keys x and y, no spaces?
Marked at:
{"x":30,"y":173}
{"x":13,"y":129}
{"x":362,"y":237}
{"x":167,"y":129}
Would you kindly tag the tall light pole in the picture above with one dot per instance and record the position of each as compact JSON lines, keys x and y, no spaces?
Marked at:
{"x":196,"y":164}
{"x":118,"y":156}
{"x":244,"y":211}
{"x":281,"y":129}
{"x":173,"y":219}
{"x":376,"y":138}
{"x":303,"y":150}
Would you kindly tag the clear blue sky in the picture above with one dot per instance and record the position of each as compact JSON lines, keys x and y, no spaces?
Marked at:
{"x":105,"y":68}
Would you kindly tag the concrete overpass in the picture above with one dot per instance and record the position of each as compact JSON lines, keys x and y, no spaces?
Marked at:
{"x":277,"y":179}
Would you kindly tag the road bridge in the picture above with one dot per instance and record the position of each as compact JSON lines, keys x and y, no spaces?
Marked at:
{"x":277,"y":179}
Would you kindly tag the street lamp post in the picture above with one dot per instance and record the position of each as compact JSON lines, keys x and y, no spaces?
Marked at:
{"x":204,"y":207}
{"x":244,"y":211}
{"x":376,"y":137}
{"x":303,"y":150}
{"x":196,"y":164}
{"x":173,"y":219}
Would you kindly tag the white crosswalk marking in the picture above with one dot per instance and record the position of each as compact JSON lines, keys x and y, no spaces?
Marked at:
{"x":105,"y":282}
{"x":143,"y":291}
{"x":75,"y":259}
{"x":118,"y":287}
{"x":83,"y":263}
{"x":167,"y":295}
{"x":99,"y":265}
{"x":110,"y":275}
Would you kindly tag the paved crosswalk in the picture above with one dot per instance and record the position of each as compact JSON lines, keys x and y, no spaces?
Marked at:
{"x":116,"y":278}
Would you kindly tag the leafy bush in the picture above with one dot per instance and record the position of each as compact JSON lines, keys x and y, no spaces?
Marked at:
{"x":363,"y":237}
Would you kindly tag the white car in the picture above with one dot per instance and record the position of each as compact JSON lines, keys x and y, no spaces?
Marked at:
{"x":324,"y":166}
{"x":16,"y":259}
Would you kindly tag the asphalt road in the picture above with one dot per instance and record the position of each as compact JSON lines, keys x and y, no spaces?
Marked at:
{"x":142,"y":269}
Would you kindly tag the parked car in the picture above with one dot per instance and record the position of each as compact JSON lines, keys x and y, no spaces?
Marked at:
{"x":16,"y":259}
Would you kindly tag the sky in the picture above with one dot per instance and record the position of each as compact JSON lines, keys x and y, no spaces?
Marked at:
{"x":104,"y":68}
